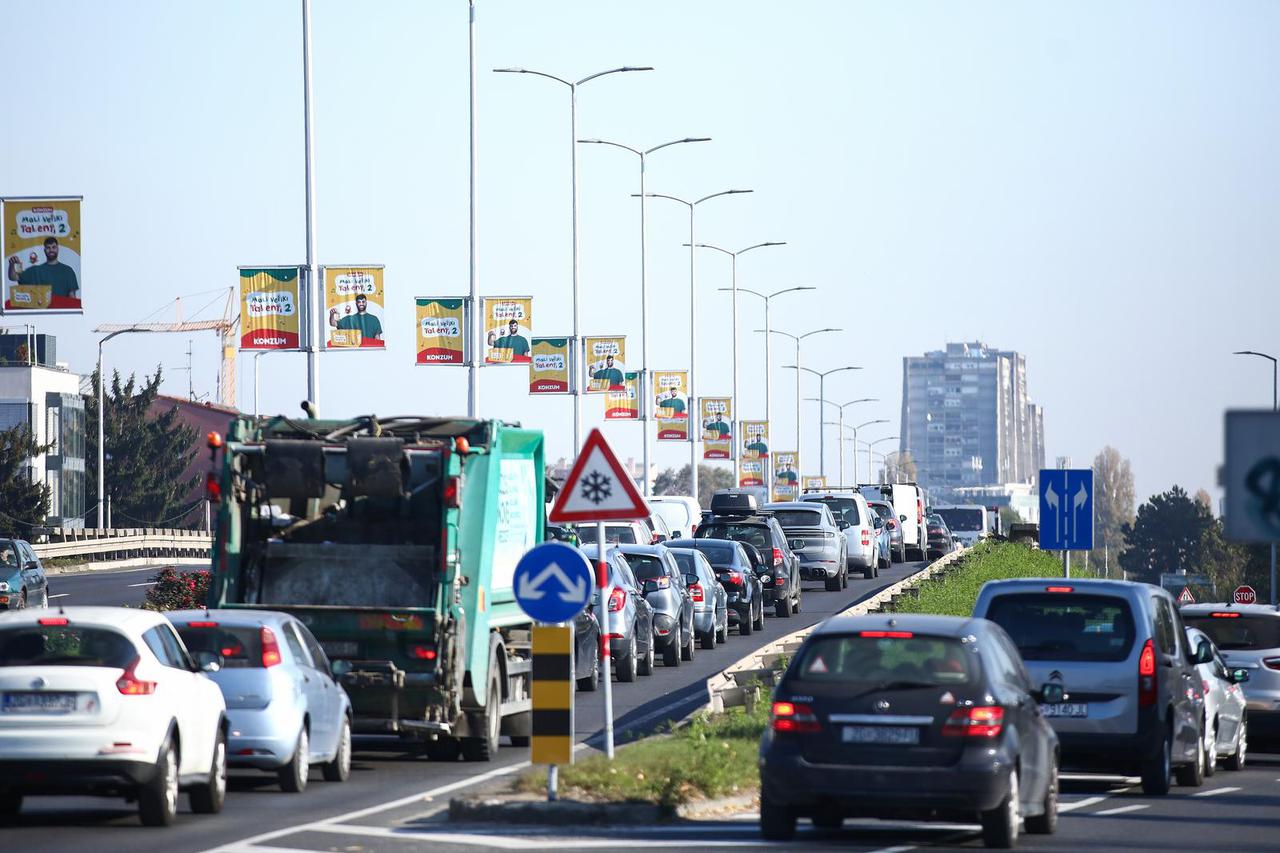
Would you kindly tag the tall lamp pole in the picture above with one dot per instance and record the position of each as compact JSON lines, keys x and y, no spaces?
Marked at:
{"x":579,"y":370}
{"x":855,"y":445}
{"x":471,"y":335}
{"x":798,"y":339}
{"x":733,"y":321}
{"x":102,"y":407}
{"x":822,"y":395}
{"x":840,"y":424}
{"x":645,"y":397}
{"x":1275,"y":405}
{"x":313,"y":283}
{"x":869,"y":445}
{"x":693,"y":328}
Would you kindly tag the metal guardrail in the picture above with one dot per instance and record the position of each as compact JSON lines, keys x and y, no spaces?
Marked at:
{"x":734,"y":685}
{"x":113,"y":544}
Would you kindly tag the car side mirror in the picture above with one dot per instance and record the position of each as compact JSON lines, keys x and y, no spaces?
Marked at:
{"x":879,"y":522}
{"x":339,"y":668}
{"x":675,"y":534}
{"x":207,"y":661}
{"x":32,"y":565}
{"x":1204,"y":652}
{"x":691,"y":579}
{"x":1238,"y":676}
{"x":649,"y":585}
{"x":843,"y":525}
{"x":902,"y":518}
{"x":1051,"y":693}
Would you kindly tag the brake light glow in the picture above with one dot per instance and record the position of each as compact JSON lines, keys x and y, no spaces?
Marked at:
{"x":202,"y":624}
{"x":777,"y":556}
{"x":695,"y":590}
{"x":270,"y":648}
{"x":1271,"y":663}
{"x":451,"y":493}
{"x":892,"y":635}
{"x":422,"y":652}
{"x":735,"y":578}
{"x":212,"y":487}
{"x":1225,"y":615}
{"x":53,"y":621}
{"x":780,"y":581}
{"x":1147,"y":675}
{"x":795,"y":717}
{"x":617,"y":599}
{"x":1059,"y":589}
{"x":130,"y":685}
{"x":979,"y":721}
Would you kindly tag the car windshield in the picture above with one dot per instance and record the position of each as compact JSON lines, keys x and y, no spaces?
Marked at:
{"x":64,"y":645}
{"x":859,"y":658}
{"x":8,"y":555}
{"x":1066,"y":626}
{"x":752,"y":534}
{"x":798,"y":517}
{"x":645,"y":566}
{"x":963,"y":520}
{"x":240,"y":646}
{"x":1237,"y":631}
{"x":676,"y":515}
{"x":842,"y":508}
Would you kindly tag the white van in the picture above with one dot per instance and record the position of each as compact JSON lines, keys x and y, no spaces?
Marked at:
{"x":908,"y":501}
{"x":968,"y":522}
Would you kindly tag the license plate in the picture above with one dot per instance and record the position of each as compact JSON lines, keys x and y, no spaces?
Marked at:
{"x":897,"y":735}
{"x":340,"y":648}
{"x":1066,"y":709}
{"x":39,"y":703}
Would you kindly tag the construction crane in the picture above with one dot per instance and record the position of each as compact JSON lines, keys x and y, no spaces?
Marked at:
{"x":225,"y":327}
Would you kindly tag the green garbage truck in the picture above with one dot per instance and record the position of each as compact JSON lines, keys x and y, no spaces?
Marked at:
{"x":395,"y":541}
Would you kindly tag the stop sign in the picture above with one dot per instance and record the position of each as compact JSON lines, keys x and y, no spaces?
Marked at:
{"x":1244,"y":595}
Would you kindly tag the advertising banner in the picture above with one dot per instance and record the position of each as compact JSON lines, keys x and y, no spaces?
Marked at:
{"x":624,"y":405}
{"x":549,"y":369}
{"x":786,"y":475}
{"x":353,"y":304}
{"x":269,"y":308}
{"x":716,"y":417}
{"x":508,"y":325}
{"x":42,"y":255}
{"x":671,"y":404}
{"x":755,"y":439}
{"x":751,"y":472}
{"x":439,"y":330}
{"x":606,"y":364}
{"x":813,"y":482}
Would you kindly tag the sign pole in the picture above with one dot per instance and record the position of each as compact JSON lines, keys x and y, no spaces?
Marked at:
{"x":602,"y":581}
{"x":553,"y":779}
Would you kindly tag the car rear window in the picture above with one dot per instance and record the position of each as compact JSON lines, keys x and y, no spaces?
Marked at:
{"x":1237,"y":631}
{"x":964,"y":520}
{"x":676,"y":515}
{"x":717,"y":555}
{"x":1065,"y":626}
{"x":240,"y":646}
{"x":620,"y":534}
{"x":752,"y":534}
{"x":883,"y":510}
{"x":687,"y":563}
{"x":645,"y":566}
{"x":858,"y":658}
{"x":841,"y":508}
{"x":798,"y":517}
{"x":65,"y":645}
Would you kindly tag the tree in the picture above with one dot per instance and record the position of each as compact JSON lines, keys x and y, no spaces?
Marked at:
{"x":145,"y":456}
{"x":25,"y":503}
{"x":1165,"y":536}
{"x":900,"y":468}
{"x":1113,"y":500}
{"x":1008,"y":517}
{"x":675,"y":481}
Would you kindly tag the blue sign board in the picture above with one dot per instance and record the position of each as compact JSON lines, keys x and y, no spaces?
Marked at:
{"x":553,"y":582}
{"x":1066,"y":509}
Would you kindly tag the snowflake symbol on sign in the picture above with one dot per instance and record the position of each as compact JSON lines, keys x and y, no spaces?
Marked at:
{"x":596,"y":487}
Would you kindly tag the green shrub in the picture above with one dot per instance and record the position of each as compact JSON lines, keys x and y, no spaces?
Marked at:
{"x":175,"y":590}
{"x":955,"y":593}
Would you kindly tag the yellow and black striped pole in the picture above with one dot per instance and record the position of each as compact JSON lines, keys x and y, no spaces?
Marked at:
{"x":553,"y":687}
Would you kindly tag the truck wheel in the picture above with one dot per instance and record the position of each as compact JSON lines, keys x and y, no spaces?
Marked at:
{"x":777,"y":822}
{"x":627,"y":663}
{"x":709,"y":639}
{"x":722,"y":635}
{"x":902,"y":554}
{"x":10,"y":805}
{"x":443,"y":748}
{"x":1156,"y":770}
{"x":745,"y":621}
{"x":833,"y":584}
{"x":486,"y":748}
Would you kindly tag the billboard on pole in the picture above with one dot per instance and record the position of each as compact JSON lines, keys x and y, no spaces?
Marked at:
{"x":353,"y":302}
{"x":270,"y":308}
{"x":671,"y":404}
{"x":751,"y":472}
{"x":549,"y":368}
{"x":508,"y":325}
{"x":42,"y":255}
{"x":624,"y":405}
{"x":755,"y":439}
{"x":439,"y":330}
{"x":606,"y":363}
{"x":786,"y":475}
{"x":716,"y":418}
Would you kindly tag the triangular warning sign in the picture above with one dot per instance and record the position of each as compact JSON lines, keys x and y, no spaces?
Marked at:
{"x":818,"y":665}
{"x":598,"y":488}
{"x":1186,"y":597}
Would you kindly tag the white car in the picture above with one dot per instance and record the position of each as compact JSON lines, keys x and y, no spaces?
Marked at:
{"x":681,"y":513}
{"x":1226,"y":731}
{"x":107,"y":701}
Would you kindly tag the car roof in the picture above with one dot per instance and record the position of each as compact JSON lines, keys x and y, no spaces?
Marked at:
{"x":920,"y":623}
{"x":651,"y":550}
{"x":1096,"y":585}
{"x":1242,"y":609}
{"x":959,"y":506}
{"x":132,"y":618}
{"x":752,"y":518}
{"x":235,"y":617}
{"x":698,"y":543}
{"x":804,"y":505}
{"x":811,"y":497}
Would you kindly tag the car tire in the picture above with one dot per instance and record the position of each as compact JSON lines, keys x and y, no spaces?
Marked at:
{"x":833,"y":584}
{"x":690,"y":640}
{"x":709,"y":638}
{"x":1000,"y":825}
{"x":759,"y":621}
{"x":782,"y":607}
{"x":1046,"y":823}
{"x":10,"y":805}
{"x":485,"y":747}
{"x":828,"y":820}
{"x":671,"y":652}
{"x":208,"y":796}
{"x":627,"y":663}
{"x":293,"y":776}
{"x":745,"y":621}
{"x":874,"y":570}
{"x":1156,"y":771}
{"x":339,"y":769}
{"x":722,"y":635}
{"x":589,"y":683}
{"x":1192,"y":775}
{"x":1235,"y":761}
{"x":443,"y":748}
{"x":22,"y":600}
{"x":902,"y":554}
{"x":844,"y":577}
{"x":1211,"y":754}
{"x":777,"y":822}
{"x":158,"y":796}
{"x":645,"y":666}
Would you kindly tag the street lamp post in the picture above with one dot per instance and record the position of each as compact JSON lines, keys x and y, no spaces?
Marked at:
{"x":1275,"y":405}
{"x":313,"y":284}
{"x":693,"y":327}
{"x":798,"y":339}
{"x":579,"y":374}
{"x":869,"y":445}
{"x":645,"y":397}
{"x":822,"y":395}
{"x":855,"y":446}
{"x":840,"y":434}
{"x":102,"y":407}
{"x":733,"y":320}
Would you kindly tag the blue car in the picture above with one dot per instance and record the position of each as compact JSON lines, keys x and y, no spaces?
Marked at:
{"x":22,"y":580}
{"x":286,"y":709}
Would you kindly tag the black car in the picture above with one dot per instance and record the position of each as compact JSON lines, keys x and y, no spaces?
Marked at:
{"x":737,"y":517}
{"x":739,"y":576}
{"x":22,"y":579}
{"x":941,"y":542}
{"x":910,"y":717}
{"x":586,"y":650}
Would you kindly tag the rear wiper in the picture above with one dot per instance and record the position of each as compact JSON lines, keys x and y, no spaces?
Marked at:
{"x":901,"y":684}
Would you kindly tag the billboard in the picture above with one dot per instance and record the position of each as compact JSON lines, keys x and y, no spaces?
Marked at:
{"x":353,"y":305}
{"x":813,"y":482}
{"x":269,"y":308}
{"x":671,"y":404}
{"x":549,"y":368}
{"x":786,"y":475}
{"x":508,"y":325}
{"x":624,"y":405}
{"x":440,"y":330}
{"x":751,"y":472}
{"x":755,"y":439}
{"x":606,"y":363}
{"x":42,"y":255}
{"x":716,"y":416}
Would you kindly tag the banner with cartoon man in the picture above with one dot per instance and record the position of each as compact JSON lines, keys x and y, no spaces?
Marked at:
{"x":606,"y":364}
{"x":508,"y":325}
{"x":624,"y":405}
{"x":786,"y":475}
{"x":751,"y":472}
{"x":269,"y":308}
{"x":353,"y":303}
{"x":549,"y":369}
{"x":439,"y":330}
{"x":755,"y":439}
{"x":671,"y":404}
{"x":716,"y":417}
{"x":42,"y":255}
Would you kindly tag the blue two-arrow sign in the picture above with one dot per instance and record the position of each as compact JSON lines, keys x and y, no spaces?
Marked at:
{"x":553,"y":582}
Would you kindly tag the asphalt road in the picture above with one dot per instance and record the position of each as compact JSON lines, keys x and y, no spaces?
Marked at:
{"x":389,"y":778}
{"x":112,"y":588}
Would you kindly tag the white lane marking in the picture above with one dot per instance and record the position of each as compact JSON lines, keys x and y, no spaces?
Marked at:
{"x":1215,"y":792}
{"x":901,"y":849}
{"x":517,"y":842}
{"x":1123,"y":809}
{"x":1081,"y":804}
{"x":65,"y":594}
{"x":148,"y":583}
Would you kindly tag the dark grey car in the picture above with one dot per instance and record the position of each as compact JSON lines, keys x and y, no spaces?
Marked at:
{"x":664,"y":588}
{"x":739,"y":574}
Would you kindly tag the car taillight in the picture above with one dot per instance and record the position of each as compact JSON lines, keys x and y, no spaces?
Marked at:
{"x":202,"y":624}
{"x":270,"y":648}
{"x":893,"y":635}
{"x":1204,"y":684}
{"x":662,"y":582}
{"x":53,"y":621}
{"x":422,"y":652}
{"x":794,"y":717}
{"x":979,"y":721}
{"x":892,"y":525}
{"x":1225,"y":615}
{"x":734,"y":577}
{"x":617,"y":599}
{"x":779,"y":581}
{"x":1271,"y":663}
{"x":130,"y":685}
{"x":695,"y":590}
{"x":866,"y":536}
{"x":1059,"y":589}
{"x":1147,"y":675}
{"x":777,"y":556}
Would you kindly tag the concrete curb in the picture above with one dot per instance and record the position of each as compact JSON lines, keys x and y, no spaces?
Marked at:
{"x":535,"y":809}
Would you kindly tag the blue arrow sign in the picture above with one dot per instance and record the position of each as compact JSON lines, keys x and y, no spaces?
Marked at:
{"x":553,"y":582}
{"x":1066,"y":509}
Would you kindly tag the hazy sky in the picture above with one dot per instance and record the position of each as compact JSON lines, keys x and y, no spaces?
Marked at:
{"x":1091,"y":184}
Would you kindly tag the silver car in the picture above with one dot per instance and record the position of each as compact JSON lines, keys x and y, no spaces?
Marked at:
{"x":664,"y":588}
{"x":285,"y":709}
{"x":1248,"y":635}
{"x":630,"y":617}
{"x":1225,"y":732}
{"x":817,"y":540}
{"x":710,"y":601}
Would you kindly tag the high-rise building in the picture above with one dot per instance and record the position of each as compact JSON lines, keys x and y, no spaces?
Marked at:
{"x":967,"y":419}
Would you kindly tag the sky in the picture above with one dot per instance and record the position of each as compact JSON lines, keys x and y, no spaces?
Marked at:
{"x":1092,"y":184}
